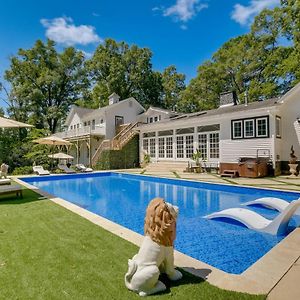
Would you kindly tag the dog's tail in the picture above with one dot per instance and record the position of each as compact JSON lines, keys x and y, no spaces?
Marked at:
{"x":132,"y":267}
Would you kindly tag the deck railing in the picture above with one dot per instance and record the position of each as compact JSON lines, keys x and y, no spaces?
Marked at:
{"x":83,"y":131}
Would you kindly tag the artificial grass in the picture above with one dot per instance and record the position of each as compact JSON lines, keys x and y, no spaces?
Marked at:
{"x":48,"y":252}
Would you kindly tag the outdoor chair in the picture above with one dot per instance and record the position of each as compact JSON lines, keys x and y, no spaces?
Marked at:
{"x":83,"y":168}
{"x":66,"y":169}
{"x":40,"y":170}
{"x":5,"y":181}
{"x":17,"y":189}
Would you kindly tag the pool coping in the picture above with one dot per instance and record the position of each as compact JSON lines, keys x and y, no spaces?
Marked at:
{"x":259,"y":278}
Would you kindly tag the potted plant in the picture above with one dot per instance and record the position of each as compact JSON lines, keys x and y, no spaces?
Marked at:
{"x":197,"y":155}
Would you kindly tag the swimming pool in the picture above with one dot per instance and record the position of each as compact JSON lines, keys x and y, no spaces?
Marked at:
{"x":123,"y":198}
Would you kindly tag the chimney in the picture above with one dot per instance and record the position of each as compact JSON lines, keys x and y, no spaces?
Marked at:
{"x":228,"y":99}
{"x":113,"y":98}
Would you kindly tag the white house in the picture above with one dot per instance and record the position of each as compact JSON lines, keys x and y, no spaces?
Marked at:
{"x":223,"y":135}
{"x":88,"y":128}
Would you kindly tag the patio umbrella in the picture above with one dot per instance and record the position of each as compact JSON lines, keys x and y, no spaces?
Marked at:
{"x":60,"y":155}
{"x":52,"y":141}
{"x":9,"y":123}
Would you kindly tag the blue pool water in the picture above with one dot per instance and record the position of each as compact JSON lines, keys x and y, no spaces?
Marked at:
{"x":123,"y":198}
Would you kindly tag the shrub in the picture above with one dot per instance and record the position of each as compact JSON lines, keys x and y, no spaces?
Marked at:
{"x":23,"y":170}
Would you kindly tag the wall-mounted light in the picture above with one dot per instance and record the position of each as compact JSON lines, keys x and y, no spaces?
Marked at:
{"x":298,"y":120}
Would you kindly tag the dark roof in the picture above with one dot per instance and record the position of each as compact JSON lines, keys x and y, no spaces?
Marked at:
{"x":231,"y":109}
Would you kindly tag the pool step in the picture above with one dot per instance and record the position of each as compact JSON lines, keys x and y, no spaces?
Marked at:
{"x":230,"y":173}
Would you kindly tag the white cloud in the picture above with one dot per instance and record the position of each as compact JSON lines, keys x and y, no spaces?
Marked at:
{"x":244,"y":14}
{"x":63,"y":31}
{"x":184,"y":10}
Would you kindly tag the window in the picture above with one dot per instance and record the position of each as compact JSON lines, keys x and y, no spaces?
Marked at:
{"x":84,"y":124}
{"x":148,"y":134}
{"x":257,"y":127}
{"x":180,"y":153}
{"x":278,"y":127}
{"x":151,"y":120}
{"x":71,"y":127}
{"x":214,"y":127}
{"x":185,"y":130}
{"x":165,"y":132}
{"x":155,"y":119}
{"x":152,"y":148}
{"x":189,"y":142}
{"x":248,"y":128}
{"x":214,"y":145}
{"x":161,"y":147}
{"x":237,"y":129}
{"x":202,"y":144}
{"x":101,"y":121}
{"x":145,"y":145}
{"x":261,"y":127}
{"x":169,"y":147}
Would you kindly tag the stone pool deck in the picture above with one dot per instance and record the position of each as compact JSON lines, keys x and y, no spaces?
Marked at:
{"x":288,"y":285}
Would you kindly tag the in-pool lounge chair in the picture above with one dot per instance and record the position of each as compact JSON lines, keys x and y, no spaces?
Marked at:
{"x":83,"y":168}
{"x":40,"y":170}
{"x":66,"y":169}
{"x":10,"y":189}
{"x":4,"y":181}
{"x":257,"y":222}
{"x":272,"y":203}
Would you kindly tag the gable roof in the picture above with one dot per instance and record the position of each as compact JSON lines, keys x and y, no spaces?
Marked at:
{"x":80,"y":111}
{"x":87,"y":113}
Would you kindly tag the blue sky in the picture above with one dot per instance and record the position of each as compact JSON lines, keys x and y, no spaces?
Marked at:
{"x":180,"y":32}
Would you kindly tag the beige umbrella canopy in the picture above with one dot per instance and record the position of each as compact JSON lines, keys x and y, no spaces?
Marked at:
{"x":52,"y":140}
{"x":60,"y":155}
{"x":9,"y":123}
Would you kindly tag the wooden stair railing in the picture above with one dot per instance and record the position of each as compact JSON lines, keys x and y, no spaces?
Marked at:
{"x":118,"y":142}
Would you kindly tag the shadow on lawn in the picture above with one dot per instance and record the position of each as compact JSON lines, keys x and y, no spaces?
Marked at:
{"x":28,"y":196}
{"x":187,"y":279}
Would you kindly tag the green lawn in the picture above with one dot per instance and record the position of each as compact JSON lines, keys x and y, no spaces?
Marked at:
{"x":47,"y":252}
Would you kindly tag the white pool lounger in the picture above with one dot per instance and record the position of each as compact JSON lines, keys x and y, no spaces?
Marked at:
{"x":257,"y":222}
{"x":272,"y":203}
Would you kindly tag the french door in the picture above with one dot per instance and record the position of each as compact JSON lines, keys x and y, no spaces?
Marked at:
{"x":165,"y":147}
{"x":185,"y":146}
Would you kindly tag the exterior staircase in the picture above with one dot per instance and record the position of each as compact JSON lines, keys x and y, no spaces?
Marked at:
{"x":118,"y":142}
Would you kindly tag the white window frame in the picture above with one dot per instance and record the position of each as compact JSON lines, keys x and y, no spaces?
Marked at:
{"x":278,"y":127}
{"x":266,"y":124}
{"x":249,"y":136}
{"x":234,"y":136}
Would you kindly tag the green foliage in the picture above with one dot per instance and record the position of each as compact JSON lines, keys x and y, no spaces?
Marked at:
{"x":126,"y":158}
{"x":22,"y":170}
{"x":265,"y":62}
{"x":197,"y":155}
{"x":127,"y":71}
{"x":44,"y":83}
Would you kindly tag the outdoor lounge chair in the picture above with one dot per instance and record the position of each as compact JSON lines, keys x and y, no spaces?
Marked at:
{"x":66,"y":169}
{"x":40,"y":170}
{"x":257,"y":222}
{"x":83,"y":168}
{"x":272,"y":203}
{"x":5,"y":181}
{"x":17,"y":189}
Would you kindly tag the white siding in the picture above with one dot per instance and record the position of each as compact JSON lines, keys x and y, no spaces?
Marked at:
{"x":231,"y":150}
{"x":128,"y":109}
{"x":290,"y":129}
{"x":75,"y":120}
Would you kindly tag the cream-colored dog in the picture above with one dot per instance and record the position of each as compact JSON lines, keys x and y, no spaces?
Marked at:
{"x":156,"y":254}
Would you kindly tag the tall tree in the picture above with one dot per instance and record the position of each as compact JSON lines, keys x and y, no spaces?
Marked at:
{"x":125,"y":70}
{"x":44,"y":83}
{"x":173,"y":84}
